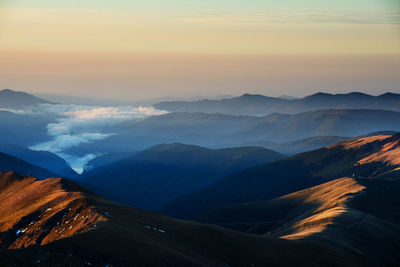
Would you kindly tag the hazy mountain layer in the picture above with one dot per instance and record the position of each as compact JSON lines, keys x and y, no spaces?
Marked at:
{"x":217,"y":130}
{"x":14,"y":99}
{"x":249,"y":104}
{"x":24,"y":130}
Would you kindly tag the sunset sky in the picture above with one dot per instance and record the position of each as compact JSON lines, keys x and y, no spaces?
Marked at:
{"x":144,"y":49}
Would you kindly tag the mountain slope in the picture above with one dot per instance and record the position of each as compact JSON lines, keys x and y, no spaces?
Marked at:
{"x":10,"y":98}
{"x":21,"y":129}
{"x":248,"y":104}
{"x":105,"y":160}
{"x":43,"y":159}
{"x":8,"y":163}
{"x":360,"y":215}
{"x":37,"y":212}
{"x":155,"y":176}
{"x":60,"y":223}
{"x":364,"y":157}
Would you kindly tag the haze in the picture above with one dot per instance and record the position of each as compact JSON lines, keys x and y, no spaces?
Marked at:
{"x":135,"y":50}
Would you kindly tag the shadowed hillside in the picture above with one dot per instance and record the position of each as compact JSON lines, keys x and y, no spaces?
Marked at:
{"x":8,"y":163}
{"x":155,"y":176}
{"x":360,"y":215}
{"x":44,"y":159}
{"x":364,"y":157}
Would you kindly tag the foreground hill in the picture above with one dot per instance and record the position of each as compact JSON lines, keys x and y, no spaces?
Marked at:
{"x":355,"y":214}
{"x":364,"y":157}
{"x":13,"y":99}
{"x":156,"y":176}
{"x":55,"y":222}
{"x":249,"y":104}
{"x":44,"y":159}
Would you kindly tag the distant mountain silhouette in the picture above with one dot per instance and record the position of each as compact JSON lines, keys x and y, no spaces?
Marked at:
{"x":10,"y":99}
{"x":44,"y":159}
{"x":248,"y":104}
{"x":156,"y":176}
{"x":365,"y":157}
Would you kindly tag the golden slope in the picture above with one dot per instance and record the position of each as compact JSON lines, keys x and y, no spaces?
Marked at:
{"x":388,"y":148}
{"x":331,"y":199}
{"x":40,"y":212}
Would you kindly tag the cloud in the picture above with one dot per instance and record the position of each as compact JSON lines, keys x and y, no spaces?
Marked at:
{"x":77,"y":124}
{"x":78,"y":163}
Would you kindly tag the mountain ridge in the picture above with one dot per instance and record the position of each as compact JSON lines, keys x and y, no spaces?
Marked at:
{"x":152,"y":177}
{"x":377,"y":154}
{"x":11,"y":99}
{"x":255,"y":104}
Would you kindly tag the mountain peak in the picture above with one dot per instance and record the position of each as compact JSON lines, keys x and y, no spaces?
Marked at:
{"x":11,"y":98}
{"x":247,"y":95}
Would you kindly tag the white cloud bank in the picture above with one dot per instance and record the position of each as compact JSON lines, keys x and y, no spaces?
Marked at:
{"x":77,"y":124}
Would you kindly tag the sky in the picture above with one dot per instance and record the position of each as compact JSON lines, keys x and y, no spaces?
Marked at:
{"x":143,"y":49}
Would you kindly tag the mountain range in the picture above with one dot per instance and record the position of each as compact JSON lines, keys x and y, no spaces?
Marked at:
{"x":219,"y":130}
{"x":334,"y":206}
{"x":364,"y":157}
{"x":259,"y":105}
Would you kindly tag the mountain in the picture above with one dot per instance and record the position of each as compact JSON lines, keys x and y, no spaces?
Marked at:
{"x":192,"y":128}
{"x":218,"y":130}
{"x":43,"y":159}
{"x":249,"y":104}
{"x":13,"y":99}
{"x":22,"y":129}
{"x":55,"y":222}
{"x":8,"y":163}
{"x":105,"y":160}
{"x":355,"y":100}
{"x":156,"y":176}
{"x":287,"y":128}
{"x":363,"y":157}
{"x":287,"y":97}
{"x":299,"y":146}
{"x":356,"y":214}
